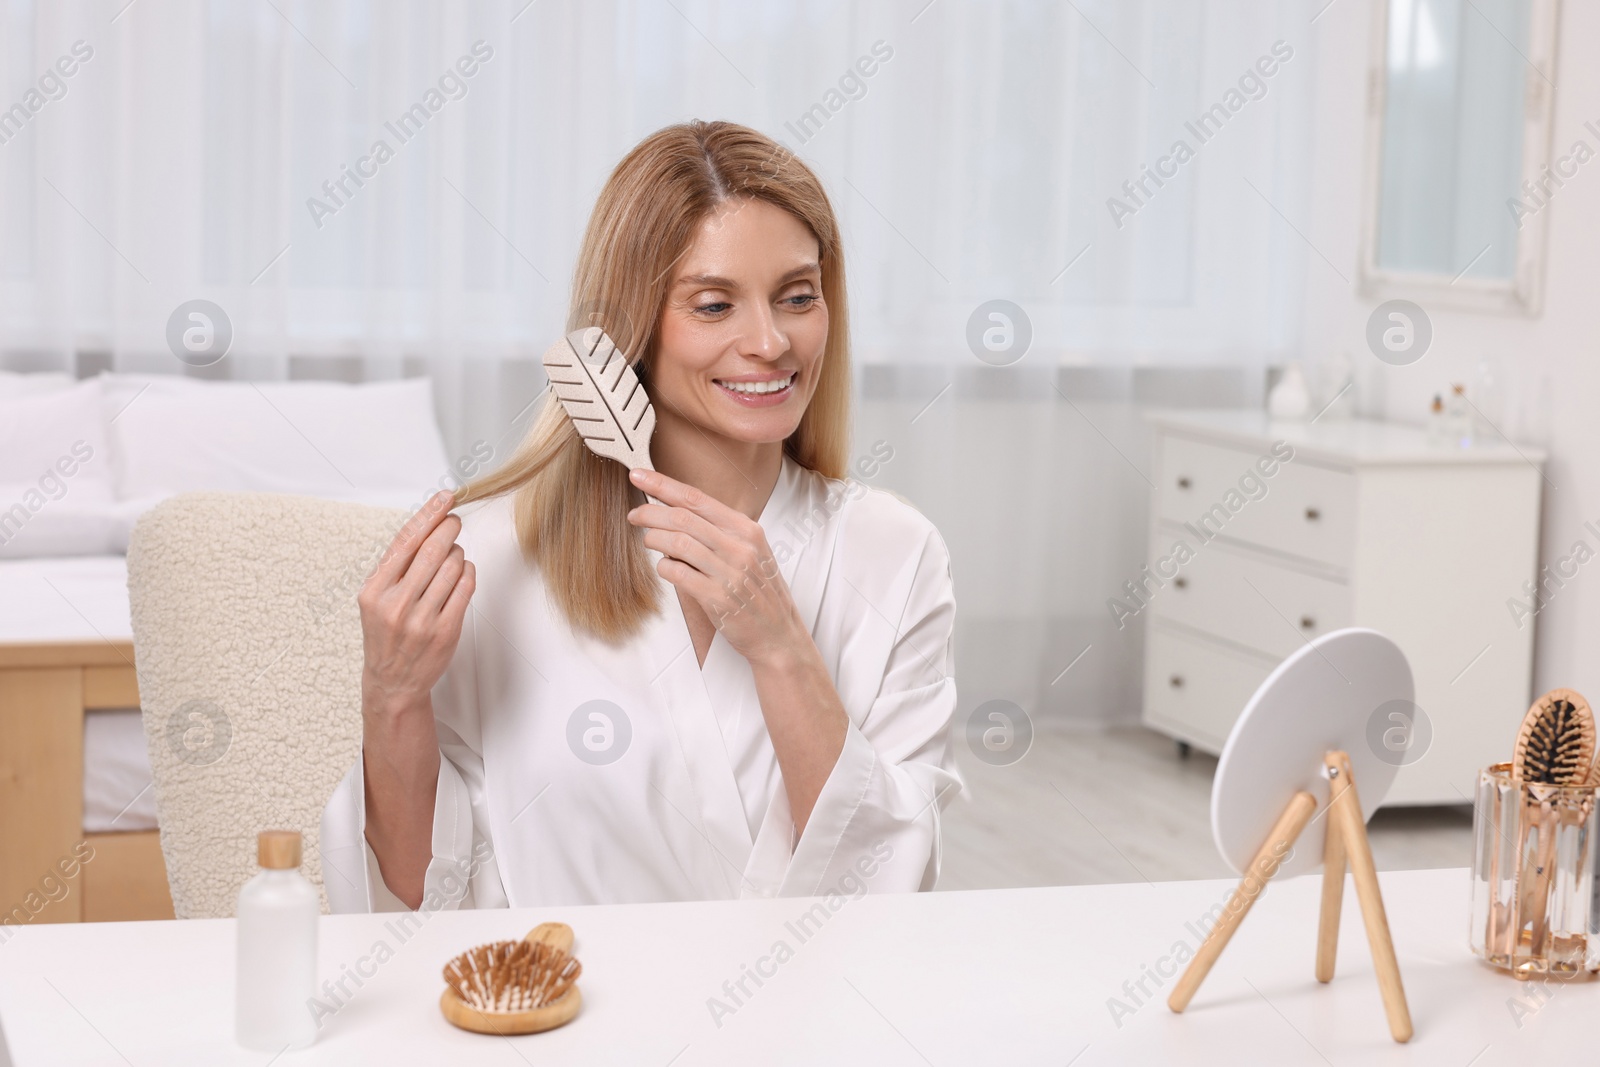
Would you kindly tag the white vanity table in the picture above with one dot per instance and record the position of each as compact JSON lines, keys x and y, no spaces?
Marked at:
{"x":1369,"y":524}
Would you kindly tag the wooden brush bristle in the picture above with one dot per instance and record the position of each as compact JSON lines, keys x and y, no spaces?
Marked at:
{"x":511,"y":975}
{"x":1557,"y":742}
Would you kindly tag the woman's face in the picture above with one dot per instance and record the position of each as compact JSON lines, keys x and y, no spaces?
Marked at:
{"x":744,"y":326}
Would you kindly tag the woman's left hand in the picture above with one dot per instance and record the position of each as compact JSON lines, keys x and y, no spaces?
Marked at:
{"x":719,"y":557}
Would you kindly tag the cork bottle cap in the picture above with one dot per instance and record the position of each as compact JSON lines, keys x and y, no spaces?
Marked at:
{"x":278,"y":849}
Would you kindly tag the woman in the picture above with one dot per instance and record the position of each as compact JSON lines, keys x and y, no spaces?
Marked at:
{"x":742,"y":690}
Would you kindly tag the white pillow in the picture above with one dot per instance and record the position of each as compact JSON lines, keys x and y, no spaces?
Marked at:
{"x":40,"y":429}
{"x":13,"y":384}
{"x":119,"y":390}
{"x":56,"y":494}
{"x":316,"y":438}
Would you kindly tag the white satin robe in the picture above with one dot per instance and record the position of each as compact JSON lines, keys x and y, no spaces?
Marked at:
{"x":695,"y":807}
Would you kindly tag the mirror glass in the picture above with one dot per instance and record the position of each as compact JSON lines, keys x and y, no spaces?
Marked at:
{"x":1452,"y":137}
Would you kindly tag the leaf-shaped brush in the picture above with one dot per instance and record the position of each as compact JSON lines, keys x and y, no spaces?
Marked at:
{"x":603,"y":396}
{"x":1556,"y":744}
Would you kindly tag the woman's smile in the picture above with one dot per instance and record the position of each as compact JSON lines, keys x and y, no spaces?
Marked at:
{"x":762,"y":390}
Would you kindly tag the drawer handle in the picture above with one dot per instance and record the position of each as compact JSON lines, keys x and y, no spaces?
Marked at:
{"x":1183,"y":482}
{"x":1176,"y":681}
{"x":1181,"y":582}
{"x":1312,"y":514}
{"x":1307,"y":622}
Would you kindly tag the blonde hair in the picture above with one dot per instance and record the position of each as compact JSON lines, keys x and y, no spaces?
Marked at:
{"x":571,"y":506}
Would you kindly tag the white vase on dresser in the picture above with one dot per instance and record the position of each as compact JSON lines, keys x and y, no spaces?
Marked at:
{"x":1366,"y":524}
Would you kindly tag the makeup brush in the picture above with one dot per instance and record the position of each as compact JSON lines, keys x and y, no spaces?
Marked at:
{"x":514,"y":987}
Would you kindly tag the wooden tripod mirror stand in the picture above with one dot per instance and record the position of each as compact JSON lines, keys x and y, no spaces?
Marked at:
{"x":1302,"y":736}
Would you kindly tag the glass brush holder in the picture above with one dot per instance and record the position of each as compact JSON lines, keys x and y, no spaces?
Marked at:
{"x":1534,"y":861}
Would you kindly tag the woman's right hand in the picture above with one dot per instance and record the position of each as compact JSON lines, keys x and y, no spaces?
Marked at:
{"x":412,"y":608}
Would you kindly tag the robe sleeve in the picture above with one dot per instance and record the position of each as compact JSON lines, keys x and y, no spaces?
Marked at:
{"x":876,"y":823}
{"x":463,"y":872}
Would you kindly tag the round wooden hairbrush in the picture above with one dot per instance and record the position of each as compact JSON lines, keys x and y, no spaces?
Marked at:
{"x":1556,"y":744}
{"x":514,"y":987}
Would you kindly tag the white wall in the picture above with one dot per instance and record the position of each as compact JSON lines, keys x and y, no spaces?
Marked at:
{"x":1552,"y":376}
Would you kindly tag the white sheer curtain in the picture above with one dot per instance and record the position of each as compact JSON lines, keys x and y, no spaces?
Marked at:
{"x":975,"y":162}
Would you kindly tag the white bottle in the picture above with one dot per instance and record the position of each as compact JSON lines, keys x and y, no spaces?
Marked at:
{"x":277,"y":949}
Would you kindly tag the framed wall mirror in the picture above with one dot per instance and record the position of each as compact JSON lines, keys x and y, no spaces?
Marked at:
{"x":1459,"y":170}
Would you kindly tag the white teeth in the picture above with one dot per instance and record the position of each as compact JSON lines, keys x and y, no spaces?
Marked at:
{"x":757,"y":388}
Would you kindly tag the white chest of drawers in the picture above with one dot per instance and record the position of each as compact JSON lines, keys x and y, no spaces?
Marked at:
{"x":1367,"y":524}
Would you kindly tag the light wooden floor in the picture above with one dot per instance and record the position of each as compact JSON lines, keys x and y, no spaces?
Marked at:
{"x":1087,"y":807}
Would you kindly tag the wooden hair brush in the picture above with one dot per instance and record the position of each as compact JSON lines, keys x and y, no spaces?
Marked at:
{"x":1556,"y":744}
{"x":514,"y":987}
